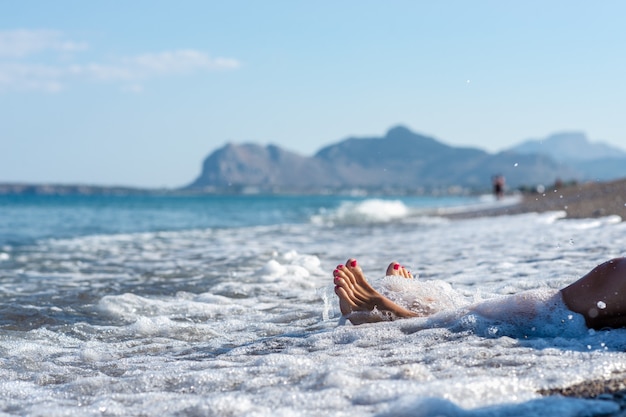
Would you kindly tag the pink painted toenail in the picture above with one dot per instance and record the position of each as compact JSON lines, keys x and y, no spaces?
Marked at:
{"x":353,"y":264}
{"x":396,"y":266}
{"x":339,"y":266}
{"x":336,"y":272}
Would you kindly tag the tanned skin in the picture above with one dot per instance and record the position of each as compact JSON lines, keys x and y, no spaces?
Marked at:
{"x":599,"y":296}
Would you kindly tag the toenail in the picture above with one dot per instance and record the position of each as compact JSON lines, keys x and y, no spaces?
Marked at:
{"x":339,"y":266}
{"x":353,"y":263}
{"x":396,"y":266}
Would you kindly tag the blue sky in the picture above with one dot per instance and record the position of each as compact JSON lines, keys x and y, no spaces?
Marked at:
{"x":139,"y":92}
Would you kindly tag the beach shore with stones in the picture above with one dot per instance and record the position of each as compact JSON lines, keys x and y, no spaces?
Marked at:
{"x":582,"y":200}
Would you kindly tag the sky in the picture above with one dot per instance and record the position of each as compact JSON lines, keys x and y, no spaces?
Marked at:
{"x":138,"y":93}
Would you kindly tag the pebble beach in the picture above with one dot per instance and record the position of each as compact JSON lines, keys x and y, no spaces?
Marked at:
{"x":592,"y":199}
{"x":578,"y":201}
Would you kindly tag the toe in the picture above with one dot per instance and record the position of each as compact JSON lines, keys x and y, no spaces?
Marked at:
{"x":352,"y":264}
{"x":393,"y":268}
{"x":405,"y":272}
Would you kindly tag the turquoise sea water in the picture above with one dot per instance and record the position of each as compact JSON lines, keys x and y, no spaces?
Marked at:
{"x":26,"y":218}
{"x":224,"y":306}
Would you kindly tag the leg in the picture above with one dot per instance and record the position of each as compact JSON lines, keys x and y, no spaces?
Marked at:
{"x":394,"y":268}
{"x":356,"y":294}
{"x":600,"y":296}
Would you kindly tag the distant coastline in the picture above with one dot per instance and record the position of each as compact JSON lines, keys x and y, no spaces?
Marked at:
{"x":579,"y":200}
{"x":75,"y":189}
{"x":86,"y":190}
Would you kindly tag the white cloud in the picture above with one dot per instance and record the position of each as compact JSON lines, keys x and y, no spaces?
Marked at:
{"x":21,"y":43}
{"x":18,"y":73}
{"x":30,"y":77}
{"x":102,"y":72}
{"x":148,"y":66}
{"x":180,"y":62}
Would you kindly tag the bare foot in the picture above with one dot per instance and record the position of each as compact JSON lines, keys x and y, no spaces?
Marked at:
{"x":357,"y":295}
{"x":395,"y":268}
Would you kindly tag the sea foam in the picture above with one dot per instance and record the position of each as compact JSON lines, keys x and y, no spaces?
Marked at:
{"x":244,"y":320}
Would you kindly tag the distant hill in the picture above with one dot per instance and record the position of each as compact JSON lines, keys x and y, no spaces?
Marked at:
{"x":592,"y":160}
{"x":251,"y":165}
{"x":401,"y":160}
{"x":569,"y":147}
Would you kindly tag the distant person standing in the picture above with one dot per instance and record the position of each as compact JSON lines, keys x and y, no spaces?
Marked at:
{"x":498,"y":186}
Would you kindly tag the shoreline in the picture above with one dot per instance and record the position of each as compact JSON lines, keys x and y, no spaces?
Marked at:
{"x":578,"y":201}
{"x":613,"y":388}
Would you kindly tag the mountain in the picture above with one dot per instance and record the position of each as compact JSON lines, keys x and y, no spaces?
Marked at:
{"x":401,"y":160}
{"x":569,"y":147}
{"x":593,"y":160}
{"x":251,"y":165}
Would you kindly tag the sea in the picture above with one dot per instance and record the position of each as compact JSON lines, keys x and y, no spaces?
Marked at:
{"x":224,"y":306}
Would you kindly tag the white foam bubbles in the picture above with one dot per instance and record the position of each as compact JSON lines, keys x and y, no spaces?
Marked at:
{"x":290,"y":268}
{"x":201,"y":323}
{"x":364,"y":212}
{"x":534,"y":313}
{"x":425,"y":297}
{"x":564,"y":407}
{"x":584,"y":224}
{"x":130,"y":307}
